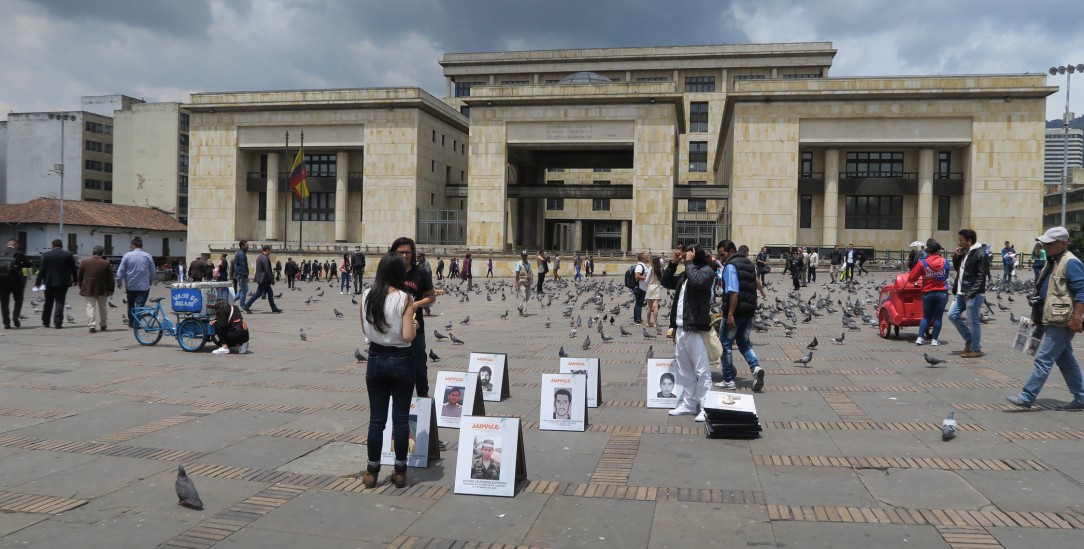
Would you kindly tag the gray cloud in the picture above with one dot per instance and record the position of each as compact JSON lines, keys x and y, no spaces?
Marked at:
{"x":172,"y":17}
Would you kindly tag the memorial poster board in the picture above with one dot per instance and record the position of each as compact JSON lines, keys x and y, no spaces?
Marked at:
{"x":490,"y":458}
{"x":564,"y":402}
{"x":590,"y":368}
{"x":492,"y":370}
{"x":423,"y":441}
{"x":662,"y":387}
{"x":459,"y":395}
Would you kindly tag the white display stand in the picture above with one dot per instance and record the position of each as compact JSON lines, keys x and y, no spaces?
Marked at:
{"x":564,"y":403}
{"x":661,"y":373}
{"x":469,"y":402}
{"x":500,"y":439}
{"x":495,"y":367}
{"x":424,"y":440}
{"x":590,"y":368}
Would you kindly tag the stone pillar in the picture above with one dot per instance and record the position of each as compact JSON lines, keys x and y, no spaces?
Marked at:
{"x":924,"y":222}
{"x":271,"y":224}
{"x":830,"y":232}
{"x":577,"y":236}
{"x":342,"y":165}
{"x":624,"y":235}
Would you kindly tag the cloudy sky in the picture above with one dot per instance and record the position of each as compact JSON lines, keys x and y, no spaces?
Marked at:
{"x":55,"y":51}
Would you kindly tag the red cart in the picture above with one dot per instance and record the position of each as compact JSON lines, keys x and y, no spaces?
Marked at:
{"x":900,"y":304}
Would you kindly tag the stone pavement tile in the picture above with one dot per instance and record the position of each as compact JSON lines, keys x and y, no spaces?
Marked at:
{"x":782,"y":442}
{"x":619,"y":415}
{"x":1048,"y":491}
{"x":804,"y":486}
{"x":479,"y":518}
{"x":213,"y":432}
{"x":678,"y":461}
{"x":1063,"y":455}
{"x":251,"y":536}
{"x":560,"y":456}
{"x":839,"y":536}
{"x":587,"y":522}
{"x":921,"y":489}
{"x":330,"y":421}
{"x":12,"y":423}
{"x":976,"y":444}
{"x":119,"y":531}
{"x":13,"y":522}
{"x":1013,"y":419}
{"x":798,"y":406}
{"x":883,"y":443}
{"x":27,"y":465}
{"x":58,"y":400}
{"x":681,"y":525}
{"x":892,"y":407}
{"x":262,"y":452}
{"x":1029,"y":538}
{"x":348,"y":517}
{"x":745,"y":379}
{"x":106,"y":420}
{"x":881,"y":380}
{"x":333,"y":458}
{"x":95,"y":478}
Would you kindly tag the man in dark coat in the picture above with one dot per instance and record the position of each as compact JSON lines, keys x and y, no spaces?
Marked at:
{"x":57,"y":274}
{"x":265,"y":278}
{"x":196,"y":269}
{"x":13,"y":283}
{"x":291,"y":272}
{"x":96,"y":284}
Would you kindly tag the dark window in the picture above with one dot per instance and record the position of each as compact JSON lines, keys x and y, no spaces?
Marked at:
{"x":262,"y":215}
{"x":434,"y":136}
{"x":552,"y":81}
{"x":944,"y":164}
{"x":652,"y":79}
{"x":699,"y":84}
{"x":874,"y":212}
{"x":874,"y":164}
{"x":805,"y":169}
{"x":465,"y":111}
{"x":107,"y":167}
{"x":108,"y":148}
{"x":73,"y":242}
{"x":321,"y":165}
{"x":107,"y":185}
{"x":92,"y":184}
{"x":600,"y":170}
{"x":514,"y":82}
{"x":698,"y":156}
{"x":182,"y":163}
{"x":698,"y":116}
{"x":805,"y":211}
{"x":748,"y":77}
{"x":95,"y":127}
{"x":462,"y":89}
{"x":554,"y":170}
{"x":698,"y":205}
{"x":108,"y":245}
{"x":803,"y":75}
{"x":109,"y":130}
{"x":165,"y":247}
{"x":183,"y":119}
{"x":95,"y":165}
{"x":182,"y":140}
{"x":944,"y":208}
{"x":600,"y":204}
{"x":94,"y":146}
{"x":318,"y":207}
{"x":182,"y":184}
{"x":555,"y":204}
{"x":433,"y":166}
{"x":182,"y":205}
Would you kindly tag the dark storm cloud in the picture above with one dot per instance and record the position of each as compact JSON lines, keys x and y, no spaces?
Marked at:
{"x":173,"y":17}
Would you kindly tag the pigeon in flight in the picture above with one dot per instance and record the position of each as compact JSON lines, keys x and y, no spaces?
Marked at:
{"x":359,"y":355}
{"x":455,"y":340}
{"x":186,"y":491}
{"x":932,"y":361}
{"x":433,"y":356}
{"x":948,"y":427}
{"x":805,"y":360}
{"x":813,"y":344}
{"x":439,"y":335}
{"x":301,"y":332}
{"x":338,"y":313}
{"x":561,"y":352}
{"x":648,"y":335}
{"x":839,"y":340}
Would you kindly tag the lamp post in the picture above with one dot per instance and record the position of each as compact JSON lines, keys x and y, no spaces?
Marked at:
{"x":59,"y":168}
{"x":1067,"y":70}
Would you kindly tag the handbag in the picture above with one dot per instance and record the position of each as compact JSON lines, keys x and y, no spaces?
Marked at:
{"x":712,"y":342}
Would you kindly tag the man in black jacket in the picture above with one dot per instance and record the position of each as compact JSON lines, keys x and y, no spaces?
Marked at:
{"x":357,"y":267}
{"x":690,"y":318}
{"x":12,"y":283}
{"x":57,"y":274}
{"x":265,"y":278}
{"x":970,"y":263}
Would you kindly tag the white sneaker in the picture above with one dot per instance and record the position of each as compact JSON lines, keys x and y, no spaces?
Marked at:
{"x":920,"y":341}
{"x":727,"y":385}
{"x":220,"y":351}
{"x":681,"y":410}
{"x":701,"y":417}
{"x":934,"y":342}
{"x":340,"y":293}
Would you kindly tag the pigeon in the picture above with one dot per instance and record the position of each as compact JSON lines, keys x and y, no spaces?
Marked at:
{"x":433,"y":356}
{"x":338,"y":313}
{"x":805,"y":360}
{"x":278,"y":295}
{"x":359,"y":355}
{"x":1013,"y":318}
{"x":352,"y":300}
{"x":547,"y":323}
{"x":111,"y":305}
{"x":455,"y":340}
{"x":301,"y":332}
{"x":466,"y":320}
{"x":448,"y":326}
{"x":572,"y":333}
{"x":813,"y":344}
{"x":561,"y":352}
{"x":439,"y":335}
{"x":650,"y":351}
{"x":839,"y":340}
{"x":948,"y":427}
{"x":605,"y":338}
{"x":587,"y":343}
{"x":70,"y":318}
{"x":932,"y":361}
{"x":611,"y":321}
{"x":186,"y":491}
{"x":648,"y":335}
{"x":308,"y":300}
{"x":505,"y":315}
{"x":623,"y":331}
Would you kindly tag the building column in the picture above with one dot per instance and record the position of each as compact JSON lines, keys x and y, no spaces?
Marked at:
{"x":342,"y":165}
{"x":271,"y":198}
{"x":924,"y":224}
{"x":830,"y":224}
{"x":624,"y":236}
{"x":577,"y":236}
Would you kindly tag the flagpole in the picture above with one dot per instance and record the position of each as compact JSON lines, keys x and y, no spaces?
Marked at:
{"x":286,"y":210}
{"x":301,"y":227}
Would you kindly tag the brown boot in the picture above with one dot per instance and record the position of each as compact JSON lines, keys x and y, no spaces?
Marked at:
{"x":967,"y":347}
{"x":369,"y":477}
{"x":398,"y":477}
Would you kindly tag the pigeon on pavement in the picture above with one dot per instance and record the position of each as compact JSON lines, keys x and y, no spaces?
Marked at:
{"x":433,"y":356}
{"x":932,"y":361}
{"x":812,"y":344}
{"x":648,"y":335}
{"x":805,"y":360}
{"x":338,"y":313}
{"x":359,"y":355}
{"x":587,"y":343}
{"x":621,"y":330}
{"x":439,"y":335}
{"x":561,"y":352}
{"x":948,"y":427}
{"x":839,"y":340}
{"x":650,"y":351}
{"x":301,"y":332}
{"x":455,"y":340}
{"x":186,"y":491}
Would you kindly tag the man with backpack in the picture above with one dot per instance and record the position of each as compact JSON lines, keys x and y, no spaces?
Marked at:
{"x":357,"y":266}
{"x":636,"y":280}
{"x":12,"y":283}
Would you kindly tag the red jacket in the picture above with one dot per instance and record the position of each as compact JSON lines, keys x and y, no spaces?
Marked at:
{"x":934,"y":274}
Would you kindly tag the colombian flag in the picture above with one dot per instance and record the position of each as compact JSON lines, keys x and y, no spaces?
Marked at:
{"x":298,"y":176}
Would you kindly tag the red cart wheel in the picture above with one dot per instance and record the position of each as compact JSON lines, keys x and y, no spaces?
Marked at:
{"x":883,"y":326}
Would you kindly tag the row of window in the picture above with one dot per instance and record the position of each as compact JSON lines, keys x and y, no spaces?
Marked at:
{"x":97,"y":185}
{"x":693,"y":84}
{"x":873,"y":212}
{"x":98,"y":146}
{"x":98,"y":127}
{"x":455,"y":143}
{"x":603,"y":204}
{"x":881,"y":163}
{"x":98,"y":165}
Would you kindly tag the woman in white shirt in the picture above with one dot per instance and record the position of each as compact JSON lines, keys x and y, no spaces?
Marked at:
{"x":387,"y":320}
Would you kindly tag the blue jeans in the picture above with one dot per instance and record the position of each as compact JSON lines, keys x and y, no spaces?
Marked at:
{"x":969,"y":329}
{"x":1056,"y":348}
{"x":740,"y":334}
{"x":242,"y":289}
{"x":344,"y":282}
{"x":1038,"y":268}
{"x":136,"y":298}
{"x":933,"y":308}
{"x":1006,"y":274}
{"x":638,"y":309}
{"x":389,"y":377}
{"x":421,"y":367}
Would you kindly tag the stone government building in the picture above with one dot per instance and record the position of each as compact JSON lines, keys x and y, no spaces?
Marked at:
{"x":622,"y":149}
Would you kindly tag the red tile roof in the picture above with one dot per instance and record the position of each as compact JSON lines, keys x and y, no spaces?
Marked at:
{"x":93,"y":214}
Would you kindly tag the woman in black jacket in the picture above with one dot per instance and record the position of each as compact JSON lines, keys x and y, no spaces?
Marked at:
{"x":690,"y":319}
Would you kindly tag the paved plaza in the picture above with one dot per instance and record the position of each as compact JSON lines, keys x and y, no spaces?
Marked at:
{"x":93,"y":426}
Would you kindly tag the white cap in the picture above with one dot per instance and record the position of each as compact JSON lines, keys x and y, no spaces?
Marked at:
{"x":1052,"y":234}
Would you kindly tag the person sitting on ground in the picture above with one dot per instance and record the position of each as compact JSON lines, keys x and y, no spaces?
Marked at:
{"x":230,"y":329}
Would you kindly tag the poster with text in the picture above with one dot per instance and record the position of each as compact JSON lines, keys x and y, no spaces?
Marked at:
{"x":458,"y":395}
{"x":590,"y":368}
{"x":564,"y":402}
{"x":662,"y":387}
{"x":492,"y":370}
{"x":490,"y":458}
{"x":422,"y":443}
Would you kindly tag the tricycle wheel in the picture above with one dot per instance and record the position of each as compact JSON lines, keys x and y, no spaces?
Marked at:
{"x":147,"y":329}
{"x":882,"y":323}
{"x":192,"y":335}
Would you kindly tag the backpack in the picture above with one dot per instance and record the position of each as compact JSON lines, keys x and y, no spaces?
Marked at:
{"x":7,"y":266}
{"x":630,"y":278}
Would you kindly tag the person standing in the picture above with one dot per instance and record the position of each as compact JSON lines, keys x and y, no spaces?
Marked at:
{"x":690,"y":317}
{"x":12,"y":282}
{"x":240,"y":271}
{"x":1038,"y":259}
{"x":971,"y":264}
{"x":805,"y":265}
{"x":557,"y":266}
{"x":860,"y":258}
{"x":388,"y":323}
{"x":291,"y":273}
{"x":195,"y":269}
{"x":836,"y":260}
{"x":440,"y":268}
{"x":264,"y":279}
{"x":489,"y":267}
{"x":797,"y":268}
{"x":814,"y":262}
{"x":96,"y":284}
{"x":740,"y":285}
{"x":357,"y":267}
{"x":453,"y":268}
{"x":589,"y":266}
{"x":1059,"y":303}
{"x":762,"y":263}
{"x":466,"y":272}
{"x":933,"y":270}
{"x":57,"y":274}
{"x":578,"y":264}
{"x":278,"y":270}
{"x":306,"y":269}
{"x":419,"y":283}
{"x":523,"y":282}
{"x":654,"y":292}
{"x":345,"y":269}
{"x":543,"y":268}
{"x":135,"y":275}
{"x":1008,"y":256}
{"x":640,"y":272}
{"x":849,"y":258}
{"x":221,"y":272}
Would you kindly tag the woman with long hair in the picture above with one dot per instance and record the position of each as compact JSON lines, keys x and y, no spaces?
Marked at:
{"x":345,"y":267}
{"x":1038,"y":260}
{"x":387,"y":320}
{"x":690,"y":317}
{"x":654,"y":292}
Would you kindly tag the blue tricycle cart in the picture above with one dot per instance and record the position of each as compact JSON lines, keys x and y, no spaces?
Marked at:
{"x":193,"y":304}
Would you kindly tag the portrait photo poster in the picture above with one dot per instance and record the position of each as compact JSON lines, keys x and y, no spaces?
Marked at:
{"x":590,"y":367}
{"x":564,"y":403}
{"x":458,"y":394}
{"x":490,"y":459}
{"x":424,"y":443}
{"x":492,"y":370}
{"x":662,"y":387}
